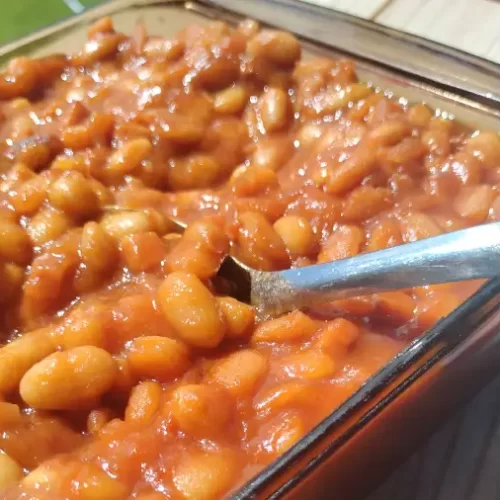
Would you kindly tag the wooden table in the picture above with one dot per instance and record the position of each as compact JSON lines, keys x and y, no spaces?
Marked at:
{"x":462,"y":460}
{"x":469,"y":25}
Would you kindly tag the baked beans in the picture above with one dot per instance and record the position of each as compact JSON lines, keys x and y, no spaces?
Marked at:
{"x":126,"y":368}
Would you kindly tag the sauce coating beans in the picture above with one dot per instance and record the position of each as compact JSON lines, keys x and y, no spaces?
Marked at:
{"x":127,"y":370}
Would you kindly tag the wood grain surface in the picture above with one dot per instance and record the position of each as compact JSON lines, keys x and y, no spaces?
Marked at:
{"x":367,"y":9}
{"x":469,"y":25}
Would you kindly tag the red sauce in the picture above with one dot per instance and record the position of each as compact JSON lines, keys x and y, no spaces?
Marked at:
{"x":126,"y":370}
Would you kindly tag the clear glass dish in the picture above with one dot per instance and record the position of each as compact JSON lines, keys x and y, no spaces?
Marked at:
{"x":381,"y":423}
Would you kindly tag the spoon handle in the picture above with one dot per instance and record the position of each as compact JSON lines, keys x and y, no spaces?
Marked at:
{"x":468,"y":254}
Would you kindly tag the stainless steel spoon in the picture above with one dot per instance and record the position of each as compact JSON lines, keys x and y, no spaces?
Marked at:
{"x":472,"y":253}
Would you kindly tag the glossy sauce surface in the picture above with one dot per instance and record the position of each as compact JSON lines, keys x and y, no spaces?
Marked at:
{"x":126,"y":370}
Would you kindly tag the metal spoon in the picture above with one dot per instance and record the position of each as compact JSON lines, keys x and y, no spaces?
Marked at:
{"x":472,"y":253}
{"x":468,"y":254}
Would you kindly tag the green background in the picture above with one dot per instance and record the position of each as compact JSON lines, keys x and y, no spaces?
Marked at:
{"x":20,"y":17}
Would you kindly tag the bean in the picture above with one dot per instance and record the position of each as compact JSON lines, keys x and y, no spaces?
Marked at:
{"x":344,"y":242}
{"x":274,"y":110}
{"x":101,"y":26}
{"x":365,"y":202}
{"x":486,"y":147}
{"x":238,"y":316}
{"x":20,"y":78}
{"x":358,"y":91}
{"x":196,"y":171}
{"x":20,"y":355}
{"x":383,"y":109}
{"x":419,"y":116}
{"x":467,"y":168}
{"x":293,"y":327}
{"x":19,"y":104}
{"x":89,"y":482}
{"x":282,"y":396}
{"x":129,"y":156}
{"x":83,"y":327}
{"x":30,"y":195}
{"x":259,"y":245}
{"x":473,"y":202}
{"x":22,"y":127}
{"x":10,"y":415}
{"x":337,"y":337}
{"x":204,"y":476}
{"x":13,"y":278}
{"x":201,"y":250}
{"x":76,"y":113}
{"x":99,"y":257}
{"x":410,"y":149}
{"x":231,"y":100}
{"x":144,"y":402}
{"x":126,"y":222}
{"x":385,"y":234}
{"x":150,"y":496}
{"x":397,"y":306}
{"x":125,"y":377}
{"x":240,"y":373}
{"x":248,"y":27}
{"x":42,"y":476}
{"x":97,"y":249}
{"x":95,"y":484}
{"x":142,"y":252}
{"x":134,"y":315}
{"x":272,"y":153}
{"x":281,"y":434}
{"x":251,"y":181}
{"x":279,"y":47}
{"x":73,"y":194}
{"x":95,"y":131}
{"x":47,"y":277}
{"x":309,"y":133}
{"x":77,"y":137}
{"x":102,"y":46}
{"x":328,"y":101}
{"x":15,"y":244}
{"x":47,"y":225}
{"x":16,"y":176}
{"x":10,"y":471}
{"x":389,"y":133}
{"x":191,"y":310}
{"x":169,"y":50}
{"x":351,"y":172}
{"x":36,"y":152}
{"x":181,"y":129}
{"x":297,"y":234}
{"x":69,"y":379}
{"x":97,"y":419}
{"x":201,"y":410}
{"x":437,"y":142}
{"x":433,"y":308}
{"x":156,"y":357}
{"x":310,"y":364}
{"x":418,"y":226}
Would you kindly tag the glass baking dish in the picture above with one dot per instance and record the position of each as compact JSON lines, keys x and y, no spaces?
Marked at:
{"x":362,"y":440}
